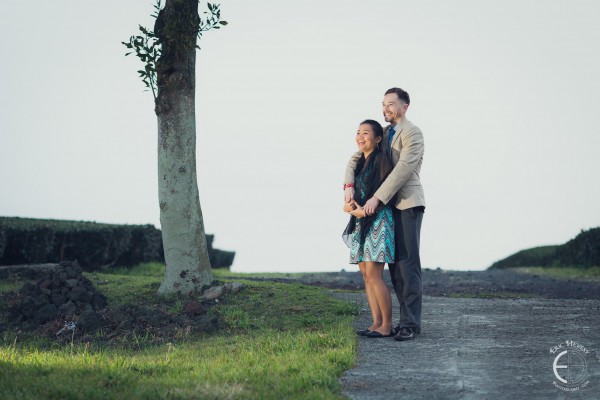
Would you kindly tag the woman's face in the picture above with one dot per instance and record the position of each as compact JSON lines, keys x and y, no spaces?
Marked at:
{"x":366,"y":139}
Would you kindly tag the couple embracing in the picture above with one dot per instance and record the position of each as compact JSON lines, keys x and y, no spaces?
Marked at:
{"x":384,"y":196}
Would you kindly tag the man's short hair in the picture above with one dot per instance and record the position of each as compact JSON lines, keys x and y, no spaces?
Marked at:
{"x":402,"y":94}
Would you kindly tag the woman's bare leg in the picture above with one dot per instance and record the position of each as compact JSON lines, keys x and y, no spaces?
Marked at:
{"x":371,"y":299}
{"x":381,"y":293}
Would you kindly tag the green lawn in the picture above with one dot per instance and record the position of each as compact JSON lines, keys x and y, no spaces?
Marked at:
{"x":584,"y":274}
{"x":277,"y":341}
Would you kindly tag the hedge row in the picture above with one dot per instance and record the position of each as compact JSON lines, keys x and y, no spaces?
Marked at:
{"x":538,"y":256}
{"x":583,"y":251}
{"x":94,"y":245}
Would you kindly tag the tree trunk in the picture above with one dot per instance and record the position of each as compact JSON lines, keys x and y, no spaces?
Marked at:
{"x":184,"y":241}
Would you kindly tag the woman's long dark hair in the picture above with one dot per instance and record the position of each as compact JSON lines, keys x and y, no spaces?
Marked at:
{"x":376,"y":161}
{"x":369,"y":174}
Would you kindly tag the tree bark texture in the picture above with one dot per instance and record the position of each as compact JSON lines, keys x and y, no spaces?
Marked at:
{"x":184,"y":241}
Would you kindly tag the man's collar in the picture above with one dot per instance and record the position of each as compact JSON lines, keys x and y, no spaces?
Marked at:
{"x":398,"y":126}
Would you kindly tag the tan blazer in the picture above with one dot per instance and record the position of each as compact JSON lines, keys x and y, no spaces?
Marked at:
{"x":403,"y":182}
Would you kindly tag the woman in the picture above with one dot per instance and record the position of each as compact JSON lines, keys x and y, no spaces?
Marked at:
{"x":371,"y":237}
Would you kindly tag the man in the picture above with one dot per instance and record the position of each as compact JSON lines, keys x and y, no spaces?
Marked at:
{"x":403,"y":142}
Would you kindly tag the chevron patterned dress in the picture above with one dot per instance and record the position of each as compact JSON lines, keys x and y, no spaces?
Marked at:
{"x":379,"y":241}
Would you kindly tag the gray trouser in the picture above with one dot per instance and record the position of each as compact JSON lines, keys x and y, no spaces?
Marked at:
{"x":406,"y":271}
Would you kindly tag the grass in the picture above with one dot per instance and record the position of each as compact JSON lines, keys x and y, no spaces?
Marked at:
{"x":277,"y":341}
{"x":584,"y":274}
{"x":9,"y":285}
{"x":224,"y":272}
{"x":158,"y":270}
{"x":153,"y":269}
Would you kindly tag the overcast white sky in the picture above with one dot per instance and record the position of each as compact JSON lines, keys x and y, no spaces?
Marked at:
{"x":506,"y":94}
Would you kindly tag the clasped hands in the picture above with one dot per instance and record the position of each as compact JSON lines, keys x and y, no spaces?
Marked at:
{"x":355,"y":209}
{"x":352,"y":207}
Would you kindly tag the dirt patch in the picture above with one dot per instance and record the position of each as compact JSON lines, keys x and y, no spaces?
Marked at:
{"x":503,"y":282}
{"x":64,"y":306}
{"x":443,"y":283}
{"x":121,"y":324}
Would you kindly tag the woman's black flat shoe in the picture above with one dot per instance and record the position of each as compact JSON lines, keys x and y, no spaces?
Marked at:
{"x":364,"y":332}
{"x":376,"y":334}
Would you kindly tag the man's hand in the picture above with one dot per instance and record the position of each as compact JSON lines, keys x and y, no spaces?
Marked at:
{"x":371,"y":205}
{"x":348,"y":194}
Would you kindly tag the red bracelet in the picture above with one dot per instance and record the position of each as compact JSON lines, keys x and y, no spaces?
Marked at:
{"x":347,"y":185}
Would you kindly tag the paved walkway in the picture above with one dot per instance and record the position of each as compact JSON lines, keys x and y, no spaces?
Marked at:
{"x":481,"y":349}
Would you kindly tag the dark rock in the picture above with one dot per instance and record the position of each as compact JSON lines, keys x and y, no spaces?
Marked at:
{"x":86,"y":296}
{"x":72,"y":282}
{"x":68,"y":308}
{"x":71,"y":268}
{"x":62,"y":291}
{"x":58,"y":298}
{"x":40,"y":300}
{"x":193,"y":308}
{"x":90,"y":321}
{"x":26,"y":309}
{"x":28,"y":288}
{"x":45,"y":284}
{"x":99,"y":301}
{"x":71,"y":272}
{"x":45,"y":314}
{"x":78,"y":293}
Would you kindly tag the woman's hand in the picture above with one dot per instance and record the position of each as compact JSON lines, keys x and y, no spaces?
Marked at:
{"x":349,"y":207}
{"x":349,"y":194}
{"x":358,"y":212}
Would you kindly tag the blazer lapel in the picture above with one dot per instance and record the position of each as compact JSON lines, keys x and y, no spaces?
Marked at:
{"x":397,"y":134}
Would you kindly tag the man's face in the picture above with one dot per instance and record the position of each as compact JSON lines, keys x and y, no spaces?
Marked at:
{"x":393,"y":108}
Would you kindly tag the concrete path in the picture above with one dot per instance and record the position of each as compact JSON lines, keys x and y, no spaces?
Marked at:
{"x":482,"y":349}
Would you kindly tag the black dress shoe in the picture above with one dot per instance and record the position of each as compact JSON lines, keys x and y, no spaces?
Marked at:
{"x":397,"y":329}
{"x":375,"y":334}
{"x":405,"y":334}
{"x":363,"y":332}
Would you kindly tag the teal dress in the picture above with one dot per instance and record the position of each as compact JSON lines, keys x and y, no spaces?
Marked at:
{"x":377,"y":243}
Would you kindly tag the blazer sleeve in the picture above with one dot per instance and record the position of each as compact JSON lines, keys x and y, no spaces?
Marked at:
{"x":349,"y":178}
{"x":412,"y":151}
